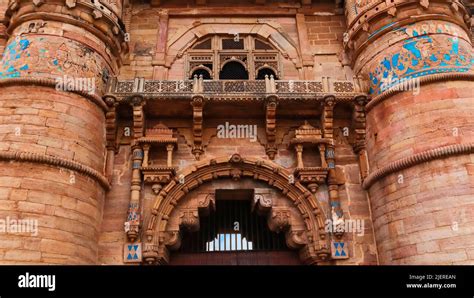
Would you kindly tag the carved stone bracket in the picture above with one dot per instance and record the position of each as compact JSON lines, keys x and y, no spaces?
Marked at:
{"x":160,"y":175}
{"x":138,"y":116}
{"x":295,"y":239}
{"x":110,"y":134}
{"x":198,"y":106}
{"x":312,"y":177}
{"x":189,"y":219}
{"x":111,"y":123}
{"x":206,"y":204}
{"x":261,"y":204}
{"x":279,"y":219}
{"x":327,"y":117}
{"x":358,"y":124}
{"x":270,"y":125}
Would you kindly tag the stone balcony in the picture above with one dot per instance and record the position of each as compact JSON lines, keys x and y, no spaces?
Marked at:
{"x":232,"y":90}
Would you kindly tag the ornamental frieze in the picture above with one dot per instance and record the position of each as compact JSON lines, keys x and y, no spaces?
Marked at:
{"x":420,"y":56}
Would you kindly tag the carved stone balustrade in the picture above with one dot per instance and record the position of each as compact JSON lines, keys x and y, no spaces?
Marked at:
{"x":343,"y":91}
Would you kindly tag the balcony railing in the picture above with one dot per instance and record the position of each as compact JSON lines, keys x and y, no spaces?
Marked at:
{"x":157,"y":88}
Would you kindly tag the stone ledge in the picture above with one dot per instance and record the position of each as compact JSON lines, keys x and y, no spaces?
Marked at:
{"x":55,"y":161}
{"x":416,"y":159}
{"x":423,"y":81}
{"x":94,"y":98}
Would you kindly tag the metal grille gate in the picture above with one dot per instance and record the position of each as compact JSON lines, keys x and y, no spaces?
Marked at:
{"x":232,"y":227}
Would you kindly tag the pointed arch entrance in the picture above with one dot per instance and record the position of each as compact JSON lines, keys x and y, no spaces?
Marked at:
{"x":300,"y":218}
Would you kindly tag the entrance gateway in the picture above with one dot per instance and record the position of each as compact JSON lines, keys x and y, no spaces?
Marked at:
{"x":229,"y":203}
{"x":234,"y":232}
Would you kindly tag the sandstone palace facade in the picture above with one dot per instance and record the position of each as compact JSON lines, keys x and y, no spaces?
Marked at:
{"x":323,"y":132}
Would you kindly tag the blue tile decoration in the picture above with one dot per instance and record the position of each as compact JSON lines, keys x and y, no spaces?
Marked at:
{"x":13,"y":52}
{"x":421,"y":55}
{"x":339,"y":250}
{"x":132,"y":253}
{"x":329,"y":153}
{"x":52,"y":57}
{"x":133,"y":213}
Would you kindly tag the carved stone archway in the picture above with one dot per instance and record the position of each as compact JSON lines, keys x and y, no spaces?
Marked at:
{"x":270,"y":31}
{"x":310,"y":237}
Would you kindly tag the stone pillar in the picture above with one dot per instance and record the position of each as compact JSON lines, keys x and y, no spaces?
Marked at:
{"x":169,"y":160}
{"x":133,"y":219}
{"x":419,"y":141}
{"x":146,"y":151}
{"x":299,"y":156}
{"x":322,"y":154}
{"x":57,"y":60}
{"x":110,"y":136}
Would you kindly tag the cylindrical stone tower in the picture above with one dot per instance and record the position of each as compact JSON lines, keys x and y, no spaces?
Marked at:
{"x":57,"y":59}
{"x":418,"y":57}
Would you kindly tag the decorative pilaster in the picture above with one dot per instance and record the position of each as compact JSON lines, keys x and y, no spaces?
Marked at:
{"x":198,"y":105}
{"x":132,"y":225}
{"x":299,"y":155}
{"x":270,"y":125}
{"x":358,"y":123}
{"x":322,"y":155}
{"x":138,"y":116}
{"x":146,"y":153}
{"x":111,"y":135}
{"x":169,"y":157}
{"x":337,"y":215}
{"x":327,"y":117}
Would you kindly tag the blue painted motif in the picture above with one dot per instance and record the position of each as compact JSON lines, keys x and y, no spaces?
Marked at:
{"x":132,"y":252}
{"x":340,"y":250}
{"x":12,"y":53}
{"x":420,"y":56}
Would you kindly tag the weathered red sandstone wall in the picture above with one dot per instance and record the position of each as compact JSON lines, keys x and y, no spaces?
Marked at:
{"x":156,"y":35}
{"x":3,"y":36}
{"x":353,"y":198}
{"x":53,"y":136}
{"x":420,"y":140}
{"x":423,"y":214}
{"x":325,"y":37}
{"x":112,"y":236}
{"x":142,"y":25}
{"x":67,"y":204}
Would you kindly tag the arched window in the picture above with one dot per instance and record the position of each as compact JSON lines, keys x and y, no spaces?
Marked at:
{"x":233,"y":71}
{"x":253,"y":58}
{"x":262,"y":72}
{"x":201,"y":72}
